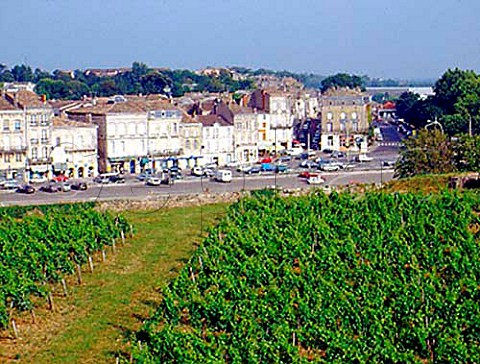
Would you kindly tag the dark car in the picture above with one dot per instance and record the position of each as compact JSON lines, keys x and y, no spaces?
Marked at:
{"x":26,"y":189}
{"x":51,"y":188}
{"x":117,"y":179}
{"x":252,"y":170}
{"x":281,"y":168}
{"x":327,"y":151}
{"x":79,"y":186}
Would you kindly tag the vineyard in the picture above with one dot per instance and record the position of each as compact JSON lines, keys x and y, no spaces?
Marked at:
{"x":376,"y":278}
{"x":40,"y":246}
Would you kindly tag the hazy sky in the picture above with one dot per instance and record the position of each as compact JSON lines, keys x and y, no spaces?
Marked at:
{"x":390,"y":38}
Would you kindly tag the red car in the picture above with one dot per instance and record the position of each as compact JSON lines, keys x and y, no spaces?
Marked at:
{"x":266,"y":160}
{"x":60,"y":178}
{"x":307,"y":174}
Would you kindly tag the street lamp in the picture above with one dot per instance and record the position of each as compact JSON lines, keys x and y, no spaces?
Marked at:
{"x":435,"y":122}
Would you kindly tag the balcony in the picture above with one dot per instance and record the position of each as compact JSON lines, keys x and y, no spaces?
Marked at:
{"x":13,"y":148}
{"x":44,"y":141}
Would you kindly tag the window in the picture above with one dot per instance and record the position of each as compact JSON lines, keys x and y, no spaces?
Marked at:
{"x":195,"y":144}
{"x":175,"y":126}
{"x":355,"y":126}
{"x":354,"y":115}
{"x":18,"y":157}
{"x":6,"y":157}
{"x":80,"y":140}
{"x":343,"y":116}
{"x":342,"y":126}
{"x":330,"y":115}
{"x":330,"y":141}
{"x":57,"y":142}
{"x":6,"y":125}
{"x":122,"y":144}
{"x":34,"y":153}
{"x":33,"y":120}
{"x":18,"y":125}
{"x":187,"y":144}
{"x":329,"y":127}
{"x":44,"y":152}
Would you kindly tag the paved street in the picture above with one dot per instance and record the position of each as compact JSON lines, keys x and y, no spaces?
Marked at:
{"x":137,"y":190}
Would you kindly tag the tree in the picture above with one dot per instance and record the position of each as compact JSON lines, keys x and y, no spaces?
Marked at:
{"x":342,"y":80}
{"x":429,"y":152}
{"x":406,"y":105}
{"x":467,"y":153}
{"x":22,"y":73}
{"x":155,"y":83}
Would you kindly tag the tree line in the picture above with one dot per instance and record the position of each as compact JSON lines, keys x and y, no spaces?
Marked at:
{"x":140,"y":79}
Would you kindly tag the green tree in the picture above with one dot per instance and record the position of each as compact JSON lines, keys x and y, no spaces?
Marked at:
{"x":467,"y":153}
{"x":342,"y":80}
{"x":429,"y":152}
{"x":22,"y":73}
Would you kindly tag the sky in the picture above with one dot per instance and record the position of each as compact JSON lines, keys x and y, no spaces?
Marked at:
{"x":402,"y":39}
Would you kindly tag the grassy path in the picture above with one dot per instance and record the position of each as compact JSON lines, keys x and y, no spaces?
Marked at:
{"x":90,"y":325}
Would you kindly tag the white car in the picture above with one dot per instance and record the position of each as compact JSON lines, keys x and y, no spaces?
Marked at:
{"x":315,"y":180}
{"x":38,"y":179}
{"x":197,"y":171}
{"x":232,"y":164}
{"x":364,"y":158}
{"x":243,"y":167}
{"x":153,"y":181}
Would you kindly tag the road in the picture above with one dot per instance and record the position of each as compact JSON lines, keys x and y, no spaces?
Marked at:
{"x":137,"y":190}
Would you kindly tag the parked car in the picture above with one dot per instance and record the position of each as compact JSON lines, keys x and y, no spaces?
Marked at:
{"x":252,"y":170}
{"x":143,"y":176}
{"x":364,"y":158}
{"x":65,"y":187}
{"x":9,"y":184}
{"x":232,"y":164}
{"x":266,"y":160}
{"x":315,"y":180}
{"x":50,"y":188}
{"x":197,"y":171}
{"x":153,"y":181}
{"x":328,"y":166}
{"x":38,"y":179}
{"x":79,"y":186}
{"x":27,"y":189}
{"x":105,"y":177}
{"x":337,"y":154}
{"x":327,"y":151}
{"x":389,"y":163}
{"x":285,"y":159}
{"x":243,"y":167}
{"x":308,"y":164}
{"x":117,"y":179}
{"x":281,"y":168}
{"x":223,"y":175}
{"x":267,"y":167}
{"x":60,"y":178}
{"x":209,"y":172}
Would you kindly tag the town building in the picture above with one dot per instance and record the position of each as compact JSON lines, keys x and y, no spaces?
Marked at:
{"x":13,"y":139}
{"x":217,"y":139}
{"x":74,"y":151}
{"x":344,"y":120}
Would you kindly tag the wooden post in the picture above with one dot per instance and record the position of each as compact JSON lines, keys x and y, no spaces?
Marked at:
{"x":51,"y":306}
{"x":122,"y":234}
{"x":104,"y":255}
{"x":114,"y":247}
{"x":64,"y":285}
{"x":200,"y":261}
{"x":32,"y":315}
{"x":15,"y":329}
{"x":90,"y":263}
{"x":79,"y":274}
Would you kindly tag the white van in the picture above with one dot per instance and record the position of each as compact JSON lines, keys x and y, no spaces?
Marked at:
{"x":223,"y":175}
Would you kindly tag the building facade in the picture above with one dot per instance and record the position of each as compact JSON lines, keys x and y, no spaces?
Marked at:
{"x":344,"y":120}
{"x":217,"y":140}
